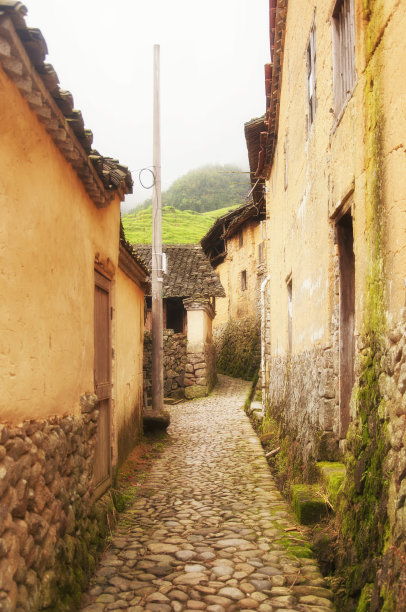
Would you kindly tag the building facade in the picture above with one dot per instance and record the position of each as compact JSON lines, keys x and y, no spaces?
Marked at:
{"x":73,"y":294}
{"x":332,"y":157}
{"x":190,"y":289}
{"x":235,"y":245}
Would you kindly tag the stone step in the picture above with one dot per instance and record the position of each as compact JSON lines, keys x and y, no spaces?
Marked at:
{"x":155,"y":420}
{"x":309,"y":503}
{"x":332,"y":474}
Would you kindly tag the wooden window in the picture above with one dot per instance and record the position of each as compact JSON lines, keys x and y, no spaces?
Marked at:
{"x":311,"y":75}
{"x":344,"y":75}
{"x":243,"y":280}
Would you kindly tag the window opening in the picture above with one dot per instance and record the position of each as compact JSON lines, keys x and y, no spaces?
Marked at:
{"x":344,"y":75}
{"x":243,"y":280}
{"x":311,"y":75}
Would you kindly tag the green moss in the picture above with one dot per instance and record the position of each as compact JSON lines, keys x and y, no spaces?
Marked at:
{"x":365,"y":599}
{"x":239,"y":351}
{"x":308,"y":503}
{"x":332,"y":474}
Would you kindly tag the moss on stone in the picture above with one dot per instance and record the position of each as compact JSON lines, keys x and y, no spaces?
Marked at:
{"x":308,"y":503}
{"x":332,"y":476}
{"x":239,"y":351}
{"x":365,"y":599}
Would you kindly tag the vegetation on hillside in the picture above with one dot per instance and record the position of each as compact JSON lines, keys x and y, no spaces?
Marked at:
{"x":178,"y":226}
{"x":207,"y":188}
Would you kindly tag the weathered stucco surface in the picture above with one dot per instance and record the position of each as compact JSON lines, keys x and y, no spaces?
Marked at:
{"x":240,"y":303}
{"x":129,"y":364}
{"x":349,"y":161}
{"x":49,"y":236}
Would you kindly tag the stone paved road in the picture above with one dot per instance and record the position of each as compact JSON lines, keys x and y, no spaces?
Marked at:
{"x":211,"y":531}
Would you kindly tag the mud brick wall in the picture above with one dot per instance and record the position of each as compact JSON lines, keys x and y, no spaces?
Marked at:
{"x":49,"y":527}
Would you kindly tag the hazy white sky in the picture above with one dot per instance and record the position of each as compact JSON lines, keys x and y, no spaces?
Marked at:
{"x":212,"y":75}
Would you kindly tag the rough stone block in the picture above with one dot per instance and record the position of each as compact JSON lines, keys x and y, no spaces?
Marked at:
{"x":308,"y":504}
{"x":195,"y":391}
{"x":328,"y":447}
{"x":332,"y":476}
{"x":327,"y":384}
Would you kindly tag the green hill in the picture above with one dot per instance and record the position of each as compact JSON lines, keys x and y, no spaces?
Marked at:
{"x":178,"y":226}
{"x":207,"y":188}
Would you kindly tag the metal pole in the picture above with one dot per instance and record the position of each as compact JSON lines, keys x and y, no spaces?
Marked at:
{"x":157,"y":280}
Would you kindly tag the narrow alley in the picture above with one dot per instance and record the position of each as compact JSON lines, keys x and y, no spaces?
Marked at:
{"x":210,"y":530}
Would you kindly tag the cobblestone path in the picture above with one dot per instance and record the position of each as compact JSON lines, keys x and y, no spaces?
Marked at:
{"x":211,"y":531}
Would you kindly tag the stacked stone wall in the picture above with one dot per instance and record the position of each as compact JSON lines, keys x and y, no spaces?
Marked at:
{"x":373,"y":506}
{"x":50,"y":528}
{"x":302,"y":392}
{"x":174,"y":364}
{"x":201,"y":372}
{"x":238,"y":346}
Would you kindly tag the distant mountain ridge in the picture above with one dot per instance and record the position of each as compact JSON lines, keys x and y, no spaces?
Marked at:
{"x":204,"y":189}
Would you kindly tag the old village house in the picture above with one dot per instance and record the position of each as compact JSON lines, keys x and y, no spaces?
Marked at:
{"x":72,"y":314}
{"x":190,"y":292}
{"x":332,"y":156}
{"x":235,"y":245}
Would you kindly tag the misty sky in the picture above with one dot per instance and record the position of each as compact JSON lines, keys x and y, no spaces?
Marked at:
{"x":212,"y":76}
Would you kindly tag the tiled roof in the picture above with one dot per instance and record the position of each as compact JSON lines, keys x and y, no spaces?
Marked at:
{"x":255,"y":135}
{"x":22,"y":57}
{"x":131,"y":251}
{"x":261,"y":146}
{"x":189,"y":273}
{"x":213,"y":243}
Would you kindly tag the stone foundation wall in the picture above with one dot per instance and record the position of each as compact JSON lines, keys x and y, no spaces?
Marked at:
{"x":201,"y":372}
{"x":174,"y":364}
{"x":302,"y":391}
{"x":185,"y":374}
{"x":376,"y":469}
{"x":49,"y":526}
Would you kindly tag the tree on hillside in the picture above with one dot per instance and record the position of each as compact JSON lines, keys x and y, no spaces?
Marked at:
{"x":206,"y":188}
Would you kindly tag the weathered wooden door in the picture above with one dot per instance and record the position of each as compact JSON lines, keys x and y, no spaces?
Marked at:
{"x":345,"y":240}
{"x":102,"y":382}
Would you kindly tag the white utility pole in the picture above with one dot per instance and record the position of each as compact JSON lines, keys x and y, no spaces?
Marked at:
{"x":157,"y":273}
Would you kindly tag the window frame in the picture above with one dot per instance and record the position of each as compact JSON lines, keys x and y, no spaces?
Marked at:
{"x":243,"y":278}
{"x":343,"y":49}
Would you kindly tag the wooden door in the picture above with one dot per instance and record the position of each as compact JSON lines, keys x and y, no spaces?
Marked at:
{"x":102,"y":382}
{"x":345,"y":241}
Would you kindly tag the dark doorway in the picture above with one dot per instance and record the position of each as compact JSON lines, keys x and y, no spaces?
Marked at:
{"x":175,"y":315}
{"x":345,"y":241}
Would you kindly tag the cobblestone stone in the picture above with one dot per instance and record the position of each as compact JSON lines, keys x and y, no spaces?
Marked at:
{"x":210,"y":530}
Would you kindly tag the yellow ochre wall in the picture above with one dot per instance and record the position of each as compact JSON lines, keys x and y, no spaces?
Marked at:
{"x":328,"y":161}
{"x":239,"y":304}
{"x":129,"y":341}
{"x":50,"y":232}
